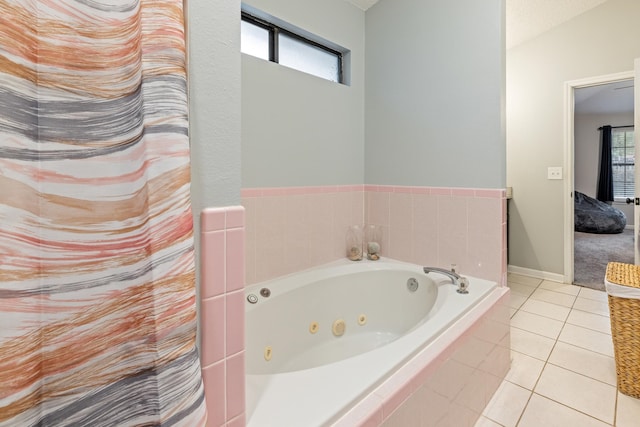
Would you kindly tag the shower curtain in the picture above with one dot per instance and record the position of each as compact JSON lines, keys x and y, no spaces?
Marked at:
{"x":97,"y":284}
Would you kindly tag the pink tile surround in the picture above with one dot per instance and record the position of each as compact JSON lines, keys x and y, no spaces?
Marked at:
{"x":451,"y":389}
{"x":292,"y":229}
{"x":222,"y":280}
{"x":246,"y":244}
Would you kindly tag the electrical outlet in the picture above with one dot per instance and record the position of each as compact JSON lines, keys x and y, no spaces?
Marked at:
{"x":554,"y":172}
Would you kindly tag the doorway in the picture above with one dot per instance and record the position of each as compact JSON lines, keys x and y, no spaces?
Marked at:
{"x":591,"y":104}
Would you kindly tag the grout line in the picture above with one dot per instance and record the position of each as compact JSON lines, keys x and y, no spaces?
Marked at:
{"x":615,"y":407}
{"x":546,"y":362}
{"x":542,"y":315}
{"x":577,"y":410}
{"x":524,"y":409}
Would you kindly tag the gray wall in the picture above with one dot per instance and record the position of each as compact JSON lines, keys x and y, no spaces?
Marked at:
{"x":601,"y":41}
{"x":298,"y":129}
{"x":213,"y":39}
{"x":435,"y":93}
{"x":433,"y":69}
{"x":214,"y":101}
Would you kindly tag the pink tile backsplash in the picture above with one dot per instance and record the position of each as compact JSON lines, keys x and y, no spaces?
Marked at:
{"x":293,"y":229}
{"x":463,"y":192}
{"x":222,"y":281}
{"x":491,"y":193}
{"x":438,"y":191}
{"x":282,"y":230}
{"x":212,"y":342}
{"x":235,"y":389}
{"x":235,"y":266}
{"x":212,"y":247}
{"x":366,"y":413}
{"x":238,"y":421}
{"x":214,"y":380}
{"x":213,"y":220}
{"x":235,"y":217}
{"x":234,"y":323}
{"x":396,"y":390}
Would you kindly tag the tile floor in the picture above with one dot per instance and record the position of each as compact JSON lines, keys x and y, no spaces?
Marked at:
{"x":562,"y":370}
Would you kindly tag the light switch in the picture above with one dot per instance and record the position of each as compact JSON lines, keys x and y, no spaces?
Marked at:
{"x":554,"y":172}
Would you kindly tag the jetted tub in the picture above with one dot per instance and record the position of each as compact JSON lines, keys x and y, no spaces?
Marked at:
{"x":319,"y":341}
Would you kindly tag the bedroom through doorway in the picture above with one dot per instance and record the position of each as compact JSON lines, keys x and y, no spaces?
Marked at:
{"x":603,"y":181}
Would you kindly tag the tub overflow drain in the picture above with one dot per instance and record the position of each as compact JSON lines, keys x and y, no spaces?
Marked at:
{"x":412,"y":284}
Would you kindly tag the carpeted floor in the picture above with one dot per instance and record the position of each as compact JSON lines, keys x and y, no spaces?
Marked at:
{"x":592,"y":252}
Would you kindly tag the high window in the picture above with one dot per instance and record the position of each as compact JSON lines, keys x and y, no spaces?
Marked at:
{"x":291,"y":48}
{"x":623,"y":163}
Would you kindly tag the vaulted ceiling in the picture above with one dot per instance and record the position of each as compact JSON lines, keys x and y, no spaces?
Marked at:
{"x":526,"y":19}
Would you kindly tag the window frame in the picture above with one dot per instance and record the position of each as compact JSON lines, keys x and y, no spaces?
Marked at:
{"x":626,"y":130}
{"x":275,"y":30}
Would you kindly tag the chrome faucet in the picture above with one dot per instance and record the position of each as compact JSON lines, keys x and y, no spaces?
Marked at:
{"x":460,"y":281}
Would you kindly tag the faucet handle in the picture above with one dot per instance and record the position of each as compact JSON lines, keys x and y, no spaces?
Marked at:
{"x":453,"y":268}
{"x":463,"y":285}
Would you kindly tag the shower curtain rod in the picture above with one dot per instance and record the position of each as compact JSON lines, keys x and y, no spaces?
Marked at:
{"x":616,"y":127}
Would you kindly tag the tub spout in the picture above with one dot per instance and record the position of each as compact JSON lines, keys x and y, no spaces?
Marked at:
{"x":461,"y":282}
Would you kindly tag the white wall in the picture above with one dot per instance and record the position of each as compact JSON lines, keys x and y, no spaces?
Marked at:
{"x":435,"y":93}
{"x":298,"y":129}
{"x":601,"y":41}
{"x":587,"y":153}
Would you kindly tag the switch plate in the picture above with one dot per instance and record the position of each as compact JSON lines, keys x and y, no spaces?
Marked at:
{"x":554,"y":172}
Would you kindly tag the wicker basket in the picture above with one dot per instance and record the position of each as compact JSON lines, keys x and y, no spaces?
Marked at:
{"x":625,"y":327}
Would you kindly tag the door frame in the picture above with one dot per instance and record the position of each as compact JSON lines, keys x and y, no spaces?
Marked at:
{"x":569,"y":156}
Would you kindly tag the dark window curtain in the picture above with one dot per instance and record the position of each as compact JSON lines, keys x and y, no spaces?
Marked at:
{"x":605,"y":177}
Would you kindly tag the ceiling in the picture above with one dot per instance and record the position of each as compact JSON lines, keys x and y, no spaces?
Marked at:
{"x":608,"y":98}
{"x":527,"y":19}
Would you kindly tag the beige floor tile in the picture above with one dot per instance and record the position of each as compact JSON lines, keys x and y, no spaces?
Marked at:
{"x":554,"y":297}
{"x":531,"y":344}
{"x":542,"y":412}
{"x":588,"y":363}
{"x":507,"y":404}
{"x":564,"y":288}
{"x":547,"y":309}
{"x":576,"y":391}
{"x":587,"y":339}
{"x":573,"y":378}
{"x":520,"y":289}
{"x":525,"y":280}
{"x":596,"y":322}
{"x":525,"y":370}
{"x":540,"y":325}
{"x":628,"y":411}
{"x":592,"y":306}
{"x":516,"y":300}
{"x":486,"y":422}
{"x":593,"y":294}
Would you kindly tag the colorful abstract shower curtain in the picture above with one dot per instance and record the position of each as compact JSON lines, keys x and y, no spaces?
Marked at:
{"x":97,"y":293}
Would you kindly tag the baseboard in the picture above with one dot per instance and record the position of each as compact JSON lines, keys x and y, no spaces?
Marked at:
{"x":628,"y":227}
{"x":544,"y":275}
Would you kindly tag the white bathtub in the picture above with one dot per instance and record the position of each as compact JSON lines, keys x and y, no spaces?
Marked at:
{"x":300,"y":373}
